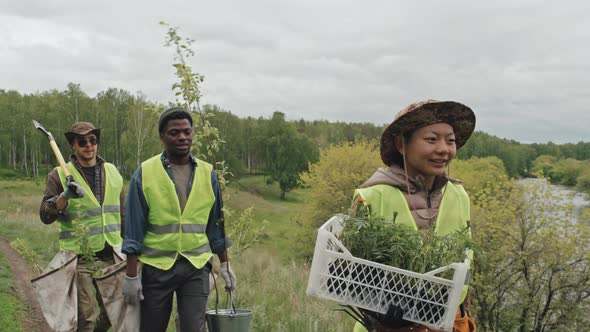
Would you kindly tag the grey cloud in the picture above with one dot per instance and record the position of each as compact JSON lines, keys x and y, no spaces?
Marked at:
{"x":521,"y":65}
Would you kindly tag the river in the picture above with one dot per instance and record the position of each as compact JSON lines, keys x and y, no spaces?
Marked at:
{"x":578,"y":201}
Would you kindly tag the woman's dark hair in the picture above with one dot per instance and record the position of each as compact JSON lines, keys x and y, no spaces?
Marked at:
{"x":406,"y":136}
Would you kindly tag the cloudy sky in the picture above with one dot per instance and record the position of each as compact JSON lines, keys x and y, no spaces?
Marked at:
{"x":523,"y":66}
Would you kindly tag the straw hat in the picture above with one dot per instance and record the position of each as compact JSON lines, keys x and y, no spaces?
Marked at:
{"x":425,"y":113}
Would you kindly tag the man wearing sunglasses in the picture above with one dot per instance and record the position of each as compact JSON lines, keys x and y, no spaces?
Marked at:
{"x":95,"y":198}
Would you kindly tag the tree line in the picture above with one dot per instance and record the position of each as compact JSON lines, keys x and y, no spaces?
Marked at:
{"x":518,"y":158}
{"x":251,"y":145}
{"x":568,"y":171}
{"x":129,"y":131}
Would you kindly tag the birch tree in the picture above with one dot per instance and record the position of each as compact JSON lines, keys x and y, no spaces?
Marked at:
{"x":115,"y":103}
{"x":141,"y":135}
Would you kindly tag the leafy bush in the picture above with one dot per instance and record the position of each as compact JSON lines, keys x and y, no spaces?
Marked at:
{"x":479,"y":173}
{"x":332,"y":180}
{"x":9,"y":174}
{"x":532,"y":254}
{"x":566,"y":171}
{"x":583,"y":179}
{"x":543,"y":165}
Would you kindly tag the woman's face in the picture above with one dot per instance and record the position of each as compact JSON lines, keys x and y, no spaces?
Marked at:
{"x":429,"y":150}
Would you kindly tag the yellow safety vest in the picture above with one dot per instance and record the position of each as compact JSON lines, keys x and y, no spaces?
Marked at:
{"x":453,"y":215}
{"x":171,"y":233}
{"x":103,"y":221}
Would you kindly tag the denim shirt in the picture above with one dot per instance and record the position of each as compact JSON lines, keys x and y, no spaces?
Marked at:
{"x":136,"y":222}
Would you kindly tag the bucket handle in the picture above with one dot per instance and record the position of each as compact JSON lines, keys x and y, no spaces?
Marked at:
{"x":229,"y":300}
{"x":229,"y":292}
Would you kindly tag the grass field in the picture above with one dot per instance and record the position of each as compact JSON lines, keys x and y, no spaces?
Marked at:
{"x":12,"y":310}
{"x":271,"y":277}
{"x":279,"y":217}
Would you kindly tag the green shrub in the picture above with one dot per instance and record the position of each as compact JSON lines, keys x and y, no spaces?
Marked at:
{"x":9,"y":174}
{"x":566,"y":171}
{"x":479,"y":173}
{"x":332,"y":180}
{"x":543,"y":165}
{"x":583,"y":182}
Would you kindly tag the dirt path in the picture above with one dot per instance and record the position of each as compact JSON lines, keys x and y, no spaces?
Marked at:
{"x":22,"y":277}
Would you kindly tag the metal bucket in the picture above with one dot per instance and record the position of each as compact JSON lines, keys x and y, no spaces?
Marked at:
{"x":228,"y":320}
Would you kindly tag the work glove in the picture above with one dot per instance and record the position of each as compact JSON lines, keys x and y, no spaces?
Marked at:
{"x":132,"y":289}
{"x":393,"y":318}
{"x":73,"y":190}
{"x":228,"y":276}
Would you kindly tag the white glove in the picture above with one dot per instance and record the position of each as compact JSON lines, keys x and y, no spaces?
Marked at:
{"x":132,"y":289}
{"x":73,"y":190}
{"x":228,"y":276}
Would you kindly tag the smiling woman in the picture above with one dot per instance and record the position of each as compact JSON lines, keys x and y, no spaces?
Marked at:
{"x":428,"y":151}
{"x":415,"y":189}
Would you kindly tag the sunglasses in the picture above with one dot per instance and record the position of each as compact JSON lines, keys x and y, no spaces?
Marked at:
{"x":92,"y":140}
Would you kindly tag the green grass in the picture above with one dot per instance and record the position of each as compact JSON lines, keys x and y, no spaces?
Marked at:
{"x":270,"y":192}
{"x":275,"y":292}
{"x":19,"y":217}
{"x":281,"y":227}
{"x":8,"y":173}
{"x":12,"y":310}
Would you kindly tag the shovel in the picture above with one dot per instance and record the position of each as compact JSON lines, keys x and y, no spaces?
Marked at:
{"x":56,"y":152}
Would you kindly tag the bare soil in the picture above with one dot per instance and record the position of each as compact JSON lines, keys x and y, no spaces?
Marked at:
{"x":22,"y":275}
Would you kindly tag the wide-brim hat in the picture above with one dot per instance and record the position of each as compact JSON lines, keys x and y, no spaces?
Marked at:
{"x":81,"y":129}
{"x":422,"y":114}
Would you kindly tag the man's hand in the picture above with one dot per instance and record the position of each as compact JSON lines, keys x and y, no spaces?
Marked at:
{"x":73,"y":190}
{"x":228,"y":276}
{"x":132,"y":289}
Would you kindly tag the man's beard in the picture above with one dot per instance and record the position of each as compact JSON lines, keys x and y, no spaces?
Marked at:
{"x":83,"y":157}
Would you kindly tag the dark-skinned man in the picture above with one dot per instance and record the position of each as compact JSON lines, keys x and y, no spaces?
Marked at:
{"x":95,"y":198}
{"x":174,"y":206}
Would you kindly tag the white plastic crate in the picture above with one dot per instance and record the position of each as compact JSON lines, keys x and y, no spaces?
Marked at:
{"x":337,"y":275}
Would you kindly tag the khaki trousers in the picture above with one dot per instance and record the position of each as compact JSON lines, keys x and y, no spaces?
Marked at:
{"x":91,"y":311}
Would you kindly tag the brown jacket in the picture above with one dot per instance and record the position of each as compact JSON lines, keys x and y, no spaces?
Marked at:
{"x":48,"y":213}
{"x":424,"y":200}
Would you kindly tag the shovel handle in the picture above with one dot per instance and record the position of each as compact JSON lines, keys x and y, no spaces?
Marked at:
{"x":60,"y":158}
{"x":55,"y":148}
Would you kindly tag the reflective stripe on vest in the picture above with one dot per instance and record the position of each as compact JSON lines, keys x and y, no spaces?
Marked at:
{"x":172,"y":253}
{"x":386,"y":201}
{"x":103,"y":222}
{"x":171,"y":233}
{"x":95,"y":212}
{"x":175,"y":228}
{"x":92,"y":231}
